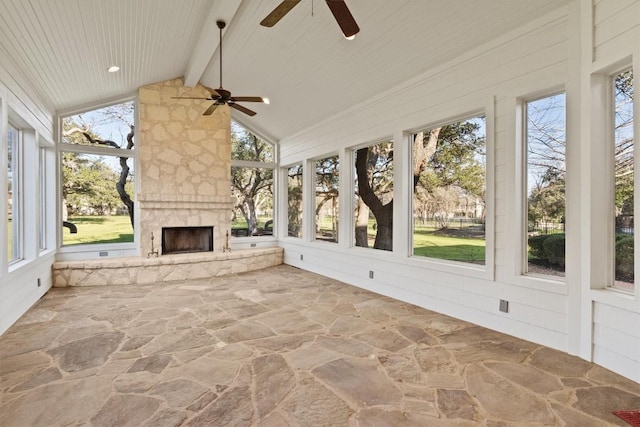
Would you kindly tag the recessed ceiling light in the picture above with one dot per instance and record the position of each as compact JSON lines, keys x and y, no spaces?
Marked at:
{"x":113,"y":69}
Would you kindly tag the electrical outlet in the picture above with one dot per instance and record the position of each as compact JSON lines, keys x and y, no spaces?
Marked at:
{"x":39,"y":282}
{"x":103,"y":253}
{"x":253,"y":245}
{"x":301,"y":257}
{"x":370,"y":274}
{"x":504,"y":306}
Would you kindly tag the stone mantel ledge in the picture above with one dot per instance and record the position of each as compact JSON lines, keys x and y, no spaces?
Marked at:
{"x":165,"y":268}
{"x":164,"y":201}
{"x":181,"y":198}
{"x":157,"y":205}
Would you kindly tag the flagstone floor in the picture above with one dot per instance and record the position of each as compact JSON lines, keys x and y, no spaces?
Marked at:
{"x":283,"y":347}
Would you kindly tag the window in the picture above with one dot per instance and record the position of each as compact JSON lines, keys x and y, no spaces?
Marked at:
{"x":327,"y":181}
{"x":294,"y":201}
{"x":545,"y":185}
{"x":252,"y":166}
{"x":374,"y":196}
{"x":449,"y":183}
{"x":98,"y":173}
{"x":14,"y":198}
{"x":623,"y":157}
{"x":42,"y":203}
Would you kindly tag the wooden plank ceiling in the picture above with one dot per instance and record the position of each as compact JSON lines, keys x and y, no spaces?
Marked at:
{"x":303,"y":64}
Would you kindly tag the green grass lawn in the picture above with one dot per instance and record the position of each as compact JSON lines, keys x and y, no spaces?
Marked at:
{"x":426,"y":241}
{"x":466,"y":249}
{"x":98,"y":229}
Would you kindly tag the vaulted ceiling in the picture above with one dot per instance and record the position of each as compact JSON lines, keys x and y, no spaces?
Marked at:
{"x":304,"y":65}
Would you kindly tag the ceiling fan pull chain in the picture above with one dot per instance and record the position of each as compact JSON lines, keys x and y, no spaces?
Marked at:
{"x":312,"y":8}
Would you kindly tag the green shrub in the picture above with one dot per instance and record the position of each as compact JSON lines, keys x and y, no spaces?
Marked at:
{"x":535,"y":245}
{"x":554,"y":249}
{"x":624,"y":254}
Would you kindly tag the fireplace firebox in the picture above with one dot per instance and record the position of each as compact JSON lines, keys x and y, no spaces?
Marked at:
{"x":182,"y":240}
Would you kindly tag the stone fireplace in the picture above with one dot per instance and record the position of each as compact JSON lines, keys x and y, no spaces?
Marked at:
{"x":184,"y":184}
{"x":184,"y":163}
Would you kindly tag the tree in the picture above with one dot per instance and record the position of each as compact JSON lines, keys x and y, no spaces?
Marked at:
{"x":624,"y":145}
{"x":294,"y":201}
{"x":375,"y":184}
{"x":448,"y":167}
{"x":252,"y":186}
{"x":327,"y":183}
{"x":83,"y":129}
{"x":448,"y":157}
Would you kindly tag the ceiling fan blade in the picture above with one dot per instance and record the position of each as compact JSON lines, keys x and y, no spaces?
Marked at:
{"x":247,"y":99}
{"x":278,"y":13}
{"x":241,"y":108}
{"x":211,"y":90}
{"x":344,"y":17}
{"x":210,"y":110}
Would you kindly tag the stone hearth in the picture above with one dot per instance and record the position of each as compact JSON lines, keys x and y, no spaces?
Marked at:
{"x":168,"y":268}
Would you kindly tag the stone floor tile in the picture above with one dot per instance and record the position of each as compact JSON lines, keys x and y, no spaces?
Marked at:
{"x":233,"y":408}
{"x":360,"y":381}
{"x":503,"y":400}
{"x":42,"y":406}
{"x":387,"y":340}
{"x":314,"y":405}
{"x":178,"y":393}
{"x":559,"y":363}
{"x":273,"y":379}
{"x":125,"y":410}
{"x":87,"y":352}
{"x":527,"y":376}
{"x":602,"y":401}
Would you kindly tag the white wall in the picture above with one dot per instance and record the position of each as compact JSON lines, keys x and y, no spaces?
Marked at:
{"x":545,"y":56}
{"x":19,"y":103}
{"x":615,"y":317}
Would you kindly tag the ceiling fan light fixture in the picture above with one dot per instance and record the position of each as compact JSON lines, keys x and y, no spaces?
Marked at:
{"x":222,"y":96}
{"x":113,"y":69}
{"x":350,"y":37}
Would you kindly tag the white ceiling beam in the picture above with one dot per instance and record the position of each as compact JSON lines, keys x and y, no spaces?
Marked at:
{"x":208,"y":42}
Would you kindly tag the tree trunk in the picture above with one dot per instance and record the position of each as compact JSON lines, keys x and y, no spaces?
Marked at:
{"x":362,"y":221}
{"x":252,"y":222}
{"x":382,"y":213}
{"x":124,"y":168}
{"x":384,"y":234}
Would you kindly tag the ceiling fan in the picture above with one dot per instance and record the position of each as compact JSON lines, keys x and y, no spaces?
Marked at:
{"x":222,"y":96}
{"x":338,"y":8}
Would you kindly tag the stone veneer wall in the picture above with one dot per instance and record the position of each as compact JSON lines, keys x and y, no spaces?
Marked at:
{"x":184,"y":163}
{"x":167,"y":268}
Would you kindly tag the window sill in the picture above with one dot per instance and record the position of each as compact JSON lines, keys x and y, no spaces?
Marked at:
{"x":616,"y":298}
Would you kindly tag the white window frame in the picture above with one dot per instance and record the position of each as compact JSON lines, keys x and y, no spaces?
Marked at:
{"x":96,"y":250}
{"x":313,"y":235}
{"x":240,"y":242}
{"x":459,"y":267}
{"x":523,"y":193}
{"x":17,"y":208}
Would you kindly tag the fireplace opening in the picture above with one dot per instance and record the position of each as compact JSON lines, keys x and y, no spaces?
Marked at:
{"x":183,"y":240}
